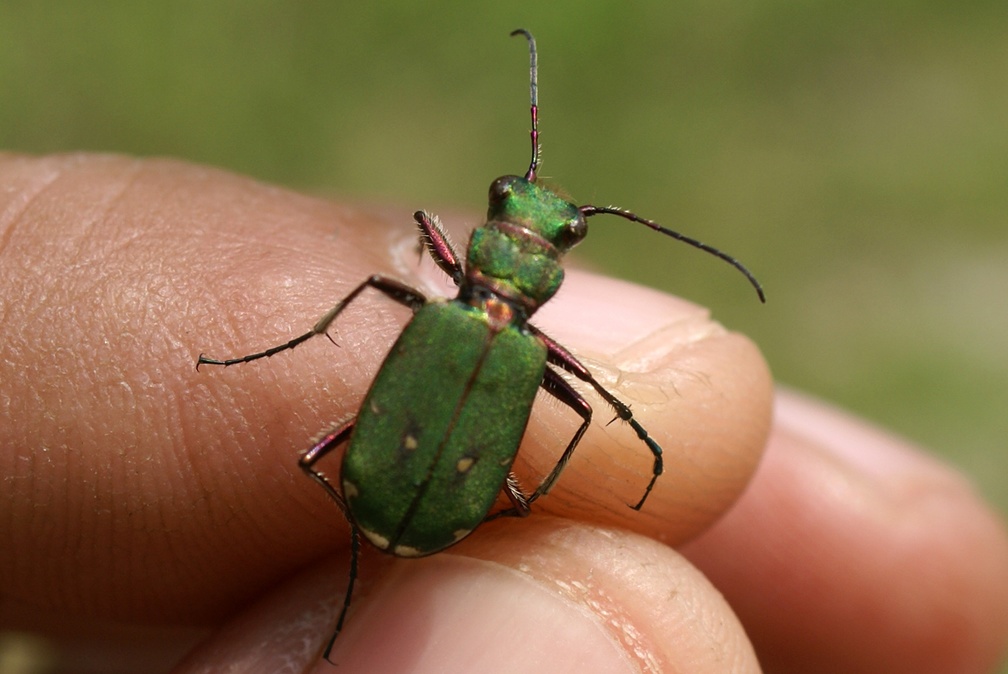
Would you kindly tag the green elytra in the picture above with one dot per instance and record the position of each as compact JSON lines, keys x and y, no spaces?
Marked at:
{"x":432,"y":444}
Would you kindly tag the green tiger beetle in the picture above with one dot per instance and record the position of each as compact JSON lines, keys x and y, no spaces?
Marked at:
{"x":432,"y":445}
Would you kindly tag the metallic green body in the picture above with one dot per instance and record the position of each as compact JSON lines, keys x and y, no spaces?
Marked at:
{"x":430,"y":450}
{"x":440,"y":427}
{"x":517,"y":252}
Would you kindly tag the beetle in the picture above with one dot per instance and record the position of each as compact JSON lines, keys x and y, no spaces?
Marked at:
{"x":432,"y":445}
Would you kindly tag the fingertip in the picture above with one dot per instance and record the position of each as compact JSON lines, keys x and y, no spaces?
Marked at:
{"x":852,"y":551}
{"x":456,"y":613}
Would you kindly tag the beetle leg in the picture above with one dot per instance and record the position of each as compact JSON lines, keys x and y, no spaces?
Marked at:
{"x":326,"y":444}
{"x":519,"y":500}
{"x":564,"y":359}
{"x":393,"y":289}
{"x":435,"y":239}
{"x":558,"y":387}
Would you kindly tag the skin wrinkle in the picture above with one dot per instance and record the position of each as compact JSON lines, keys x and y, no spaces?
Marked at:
{"x":101,"y":207}
{"x":243,"y":444}
{"x":18,"y":207}
{"x":106,"y":382}
{"x":577,"y":579}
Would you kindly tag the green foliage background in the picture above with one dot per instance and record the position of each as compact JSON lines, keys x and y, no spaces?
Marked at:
{"x":854,"y":154}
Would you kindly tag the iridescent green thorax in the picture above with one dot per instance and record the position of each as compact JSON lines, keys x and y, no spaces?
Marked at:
{"x":517,"y":253}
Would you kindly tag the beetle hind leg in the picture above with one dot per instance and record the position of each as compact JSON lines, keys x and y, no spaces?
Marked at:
{"x":521,"y":503}
{"x":558,"y":387}
{"x":321,"y":448}
{"x":518,"y":498}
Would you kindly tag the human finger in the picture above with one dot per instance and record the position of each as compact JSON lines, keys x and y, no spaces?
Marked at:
{"x":852,"y":551}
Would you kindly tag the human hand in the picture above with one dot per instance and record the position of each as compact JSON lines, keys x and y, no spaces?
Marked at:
{"x":141,"y":492}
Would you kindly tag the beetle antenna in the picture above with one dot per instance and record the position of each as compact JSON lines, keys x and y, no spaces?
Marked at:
{"x":530,"y":175}
{"x":588,"y":211}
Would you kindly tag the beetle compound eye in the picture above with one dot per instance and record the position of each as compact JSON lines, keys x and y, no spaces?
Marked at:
{"x":577,"y":230}
{"x":501,"y":189}
{"x":571,"y":233}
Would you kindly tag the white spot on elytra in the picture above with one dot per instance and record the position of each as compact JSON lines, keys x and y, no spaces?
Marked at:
{"x":406,"y":551}
{"x":350,"y":490}
{"x":376,"y":539}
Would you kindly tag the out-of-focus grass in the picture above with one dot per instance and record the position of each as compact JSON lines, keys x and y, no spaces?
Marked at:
{"x":854,"y":154}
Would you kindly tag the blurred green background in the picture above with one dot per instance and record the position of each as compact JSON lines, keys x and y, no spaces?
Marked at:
{"x":854,"y":154}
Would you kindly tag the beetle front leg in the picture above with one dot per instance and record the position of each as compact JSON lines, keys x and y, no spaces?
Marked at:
{"x":392,"y":288}
{"x":435,"y":239}
{"x":307,"y":462}
{"x":564,"y":359}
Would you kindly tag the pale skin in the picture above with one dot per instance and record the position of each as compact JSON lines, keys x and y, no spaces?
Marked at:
{"x":140,"y":493}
